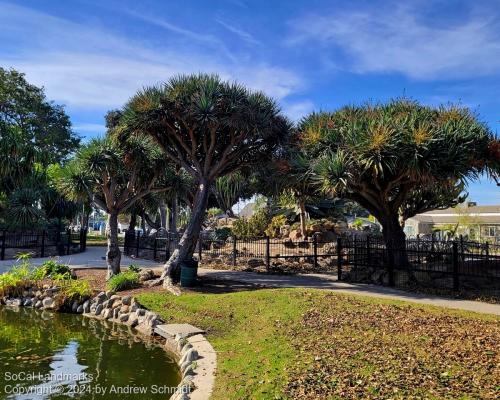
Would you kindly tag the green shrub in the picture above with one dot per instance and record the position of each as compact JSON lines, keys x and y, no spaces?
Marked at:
{"x":274,"y":228}
{"x":252,"y":227}
{"x":223,"y":233}
{"x":52,"y":268}
{"x":20,"y":277}
{"x":73,"y":289}
{"x":134,"y":268}
{"x":123,"y":281}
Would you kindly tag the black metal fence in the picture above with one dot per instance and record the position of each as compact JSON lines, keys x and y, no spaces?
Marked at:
{"x":455,"y":264}
{"x":44,"y":243}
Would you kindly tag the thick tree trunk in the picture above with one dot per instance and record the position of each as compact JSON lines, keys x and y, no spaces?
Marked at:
{"x":302,"y":207}
{"x":113,"y":255}
{"x":189,"y":239}
{"x":394,"y":235}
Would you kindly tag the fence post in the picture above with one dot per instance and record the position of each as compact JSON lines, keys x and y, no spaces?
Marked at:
{"x":4,"y":238}
{"x":390,"y":264}
{"x":137,"y":243}
{"x":418,"y":248}
{"x":315,"y":249}
{"x":454,"y":260}
{"x":68,"y":244}
{"x":234,"y":250}
{"x":200,"y":247}
{"x":268,"y":253}
{"x":155,"y":245}
{"x":368,"y":255}
{"x":339,"y":259}
{"x":42,"y":251}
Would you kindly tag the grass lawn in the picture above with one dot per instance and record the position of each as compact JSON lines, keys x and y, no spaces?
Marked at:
{"x":101,"y":240}
{"x":312,"y":344}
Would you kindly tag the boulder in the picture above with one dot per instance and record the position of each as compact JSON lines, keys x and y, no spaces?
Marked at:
{"x":48,"y":303}
{"x":146,"y":275}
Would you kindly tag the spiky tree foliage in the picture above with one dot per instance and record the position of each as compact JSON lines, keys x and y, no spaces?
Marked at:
{"x":208,"y":127}
{"x":295,"y":176}
{"x":228,"y":189}
{"x":113,"y":176}
{"x":396,"y":159}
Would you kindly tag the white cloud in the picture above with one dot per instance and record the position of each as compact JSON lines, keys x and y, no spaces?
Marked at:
{"x":296,"y":111}
{"x":246,"y":36}
{"x":400,"y":40}
{"x":88,"y":67}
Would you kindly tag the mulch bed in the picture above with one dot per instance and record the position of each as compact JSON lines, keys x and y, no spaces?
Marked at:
{"x":387,"y":352}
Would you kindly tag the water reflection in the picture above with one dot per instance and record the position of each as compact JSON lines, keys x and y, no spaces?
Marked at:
{"x":58,"y":356}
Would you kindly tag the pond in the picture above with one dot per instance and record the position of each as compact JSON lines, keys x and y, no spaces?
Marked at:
{"x":45,"y":355}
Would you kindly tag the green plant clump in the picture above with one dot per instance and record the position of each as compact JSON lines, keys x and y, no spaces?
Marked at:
{"x":51,"y":269}
{"x":134,"y":268}
{"x":73,"y":289}
{"x":123,"y":281}
{"x":20,"y":277}
{"x":252,"y":227}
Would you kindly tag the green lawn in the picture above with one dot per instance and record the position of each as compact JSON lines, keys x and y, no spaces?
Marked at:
{"x":312,"y":344}
{"x":101,"y":240}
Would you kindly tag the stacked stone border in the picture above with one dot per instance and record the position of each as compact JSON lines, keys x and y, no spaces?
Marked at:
{"x":193,"y":353}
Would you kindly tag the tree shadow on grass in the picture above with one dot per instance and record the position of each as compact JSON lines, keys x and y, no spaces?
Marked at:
{"x":219,"y":286}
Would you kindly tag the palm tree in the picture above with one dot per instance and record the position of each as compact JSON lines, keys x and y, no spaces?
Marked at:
{"x":209,"y":128}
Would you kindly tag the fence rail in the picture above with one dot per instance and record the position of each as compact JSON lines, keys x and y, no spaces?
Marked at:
{"x":457,"y":264}
{"x":44,"y":243}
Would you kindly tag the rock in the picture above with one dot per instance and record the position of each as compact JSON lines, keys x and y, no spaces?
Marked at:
{"x":255,"y":262}
{"x":141,"y":312}
{"x":86,"y":306}
{"x":48,"y":303}
{"x":27,"y":303}
{"x":184,"y":365}
{"x":98,"y":309}
{"x":14,"y":302}
{"x":107,"y":313}
{"x":132,"y":320}
{"x":110,"y":293}
{"x":191,"y":355}
{"x":79,"y":310}
{"x":189,"y":371}
{"x":116,"y":313}
{"x":146,"y":275}
{"x":74,"y":307}
{"x":38,"y":304}
{"x":117,"y":304}
{"x":186,"y":348}
{"x":124,"y":309}
{"x":327,"y":236}
{"x":123,"y":318}
{"x":134,"y":307}
{"x":100,"y":298}
{"x":126,"y":300}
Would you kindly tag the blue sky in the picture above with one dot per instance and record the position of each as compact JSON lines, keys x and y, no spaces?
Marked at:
{"x":93,"y":55}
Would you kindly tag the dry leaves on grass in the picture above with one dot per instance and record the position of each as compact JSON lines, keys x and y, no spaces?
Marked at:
{"x":354,"y":349}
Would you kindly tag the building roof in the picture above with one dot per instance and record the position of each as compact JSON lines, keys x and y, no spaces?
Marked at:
{"x":471,"y":214}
